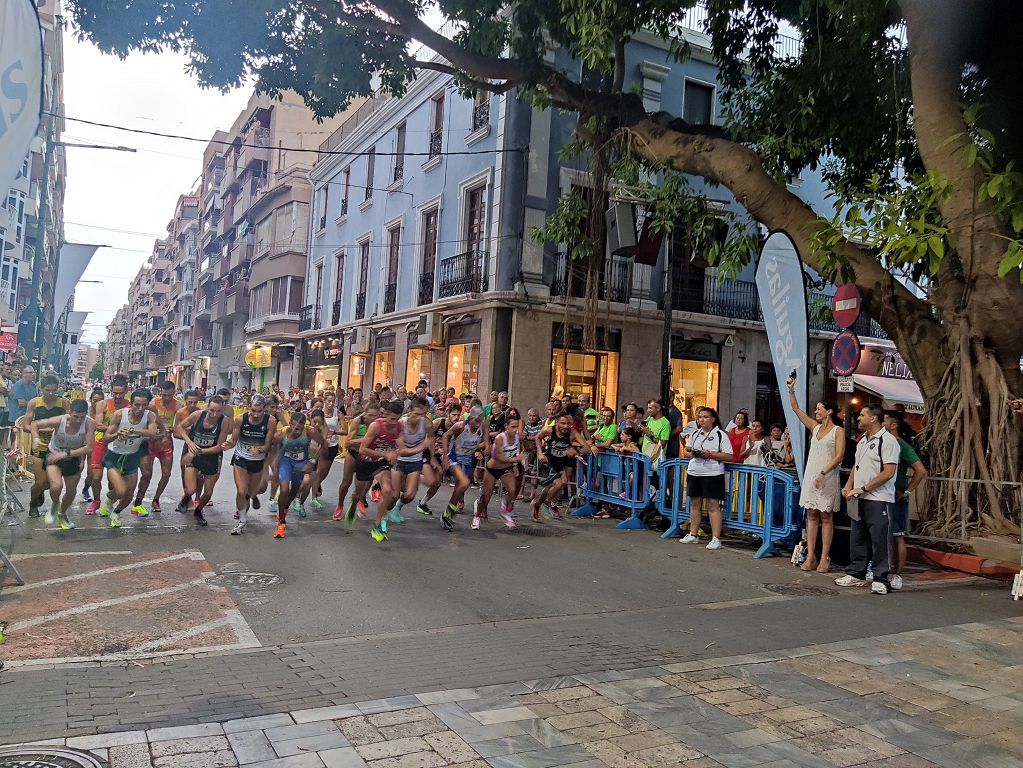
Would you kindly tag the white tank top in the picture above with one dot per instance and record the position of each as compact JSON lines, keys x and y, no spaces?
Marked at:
{"x":124,"y":445}
{"x":333,"y":428}
{"x":413,"y":439}
{"x":466,"y":442}
{"x":63,"y":441}
{"x":508,"y":451}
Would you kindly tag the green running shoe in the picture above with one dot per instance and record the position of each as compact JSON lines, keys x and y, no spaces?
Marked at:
{"x":378,"y":534}
{"x":395,"y":516}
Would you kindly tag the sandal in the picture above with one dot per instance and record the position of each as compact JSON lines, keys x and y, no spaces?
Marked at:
{"x":808,"y":565}
{"x":825,"y":565}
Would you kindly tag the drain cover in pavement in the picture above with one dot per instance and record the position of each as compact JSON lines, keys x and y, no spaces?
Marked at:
{"x":245,"y":581}
{"x":45,"y":757}
{"x":799,"y":590}
{"x":546,"y":531}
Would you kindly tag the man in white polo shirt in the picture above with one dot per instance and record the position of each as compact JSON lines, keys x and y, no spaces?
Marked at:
{"x":870,"y":492}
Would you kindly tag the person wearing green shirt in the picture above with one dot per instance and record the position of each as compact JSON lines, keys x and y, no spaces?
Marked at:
{"x":656,"y":431}
{"x":606,"y":433}
{"x":490,"y":405}
{"x":909,"y":459}
{"x":590,"y":414}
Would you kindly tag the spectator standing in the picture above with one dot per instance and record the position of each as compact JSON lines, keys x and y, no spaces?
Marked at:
{"x":707,"y":450}
{"x":737,"y":434}
{"x":752,"y":452}
{"x":5,"y":391}
{"x":821,"y":488}
{"x":24,"y":389}
{"x":656,"y":433}
{"x":871,"y":491}
{"x":677,"y":421}
{"x":909,"y":459}
{"x":590,"y":414}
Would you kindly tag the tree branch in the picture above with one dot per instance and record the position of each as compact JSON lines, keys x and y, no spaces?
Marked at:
{"x":482,"y":85}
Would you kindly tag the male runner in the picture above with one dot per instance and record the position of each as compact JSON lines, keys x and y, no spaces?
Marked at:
{"x":204,"y":434}
{"x":166,"y":408}
{"x":128,"y":428}
{"x":294,"y":467}
{"x":252,"y":435}
{"x":462,"y":442}
{"x":95,"y":401}
{"x":557,"y":447}
{"x":378,"y":452}
{"x":45,"y":406}
{"x":357,"y":428}
{"x":434,"y":469}
{"x":71,"y":440}
{"x":101,"y":414}
{"x":417,"y":436}
{"x":191,"y":406}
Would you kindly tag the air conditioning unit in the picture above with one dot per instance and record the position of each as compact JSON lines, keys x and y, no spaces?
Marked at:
{"x":361,"y":341}
{"x":430,"y":331}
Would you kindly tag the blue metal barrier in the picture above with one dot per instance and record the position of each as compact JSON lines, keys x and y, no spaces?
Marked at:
{"x":752,"y":498}
{"x":614,"y":478}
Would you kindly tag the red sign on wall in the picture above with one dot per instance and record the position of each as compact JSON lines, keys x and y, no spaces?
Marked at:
{"x":8,"y":341}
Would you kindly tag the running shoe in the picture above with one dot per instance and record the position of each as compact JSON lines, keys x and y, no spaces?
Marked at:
{"x":395,"y":516}
{"x":339,"y":512}
{"x":274,"y":506}
{"x":104,"y":510}
{"x":255,"y":502}
{"x":375,"y":493}
{"x":92,"y":508}
{"x":140,"y":510}
{"x":199,"y":519}
{"x":33,"y":512}
{"x":279,"y":533}
{"x":506,"y":515}
{"x":300,"y":509}
{"x":182,"y":506}
{"x":156,"y":505}
{"x":362,"y":508}
{"x":545,"y":512}
{"x":383,"y":525}
{"x":316,"y":503}
{"x":689,"y":539}
{"x":424,"y":510}
{"x":64,"y":522}
{"x":115,"y":519}
{"x":86,"y":495}
{"x":715,"y":543}
{"x":556,"y":512}
{"x":51,"y":513}
{"x":237,"y":530}
{"x":475,"y":522}
{"x":378,"y":534}
{"x":350,"y":517}
{"x":476,"y":507}
{"x":445,"y":518}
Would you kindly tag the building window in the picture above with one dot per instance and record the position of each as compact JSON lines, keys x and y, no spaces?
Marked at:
{"x":475,"y":217}
{"x":295,"y":293}
{"x":696,"y":385}
{"x":356,"y":371}
{"x":278,"y":295}
{"x":371,"y":161}
{"x":316,"y":300}
{"x":321,"y":209}
{"x":463,"y":367}
{"x":256,"y":307}
{"x":698,"y":103}
{"x":393,"y":257}
{"x":226,"y":330}
{"x":383,"y":368}
{"x":480,"y":110}
{"x":437,"y":125}
{"x":420,"y":364}
{"x":594,"y":374}
{"x":399,"y":153}
{"x":363,"y":266}
{"x":346,"y":182}
{"x":427,"y":277}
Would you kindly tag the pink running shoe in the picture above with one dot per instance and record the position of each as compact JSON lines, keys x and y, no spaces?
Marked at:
{"x":506,"y":515}
{"x":362,"y":508}
{"x":92,"y":509}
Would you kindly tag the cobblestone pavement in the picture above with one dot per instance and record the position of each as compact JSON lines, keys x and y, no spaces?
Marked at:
{"x":951,"y":698}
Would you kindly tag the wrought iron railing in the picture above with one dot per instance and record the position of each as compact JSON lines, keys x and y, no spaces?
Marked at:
{"x":305,"y":318}
{"x":481,"y":114}
{"x":344,"y":208}
{"x":463,"y":273}
{"x":614,"y":282}
{"x":436,"y":143}
{"x":399,"y":170}
{"x":426,"y":288}
{"x":390,"y":297}
{"x":360,"y":306}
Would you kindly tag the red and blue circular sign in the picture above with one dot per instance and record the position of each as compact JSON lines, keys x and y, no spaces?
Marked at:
{"x":845,"y":353}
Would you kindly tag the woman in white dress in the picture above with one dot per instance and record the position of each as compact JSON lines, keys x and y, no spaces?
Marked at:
{"x":821,"y":488}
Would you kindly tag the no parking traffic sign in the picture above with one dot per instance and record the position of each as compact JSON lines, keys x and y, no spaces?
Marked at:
{"x":845,"y":353}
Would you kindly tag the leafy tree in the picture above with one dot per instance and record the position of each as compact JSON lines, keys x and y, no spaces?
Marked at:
{"x":908,"y":106}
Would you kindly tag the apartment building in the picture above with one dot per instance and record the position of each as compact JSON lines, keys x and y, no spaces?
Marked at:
{"x":422,"y":267}
{"x":116,"y":359}
{"x":140,"y":304}
{"x":39,"y":185}
{"x":86,"y":358}
{"x":253,"y":240}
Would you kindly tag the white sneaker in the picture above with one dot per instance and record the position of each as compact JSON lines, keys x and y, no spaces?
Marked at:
{"x":237,"y":530}
{"x":51,"y":515}
{"x":689,"y":539}
{"x":896,"y":581}
{"x":849,"y":581}
{"x":878,"y":588}
{"x":715,"y":543}
{"x":475,"y":522}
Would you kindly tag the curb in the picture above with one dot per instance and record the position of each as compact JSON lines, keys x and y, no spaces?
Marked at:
{"x":956,"y":561}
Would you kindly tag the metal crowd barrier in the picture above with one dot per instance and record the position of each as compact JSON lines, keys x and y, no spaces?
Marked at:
{"x":753,"y":496}
{"x":613,"y":478}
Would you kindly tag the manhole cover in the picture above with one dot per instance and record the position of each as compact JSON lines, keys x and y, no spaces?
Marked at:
{"x":245,"y":581}
{"x":544,"y":531}
{"x":799,"y":590}
{"x":45,"y":757}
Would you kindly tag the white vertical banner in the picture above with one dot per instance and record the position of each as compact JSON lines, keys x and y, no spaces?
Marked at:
{"x":783,"y":302}
{"x":21,"y":81}
{"x":72,"y":262}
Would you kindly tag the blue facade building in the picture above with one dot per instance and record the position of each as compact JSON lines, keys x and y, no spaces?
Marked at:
{"x":421,"y":265}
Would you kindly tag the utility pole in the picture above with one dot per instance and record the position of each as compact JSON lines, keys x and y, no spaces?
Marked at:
{"x":667,"y":302}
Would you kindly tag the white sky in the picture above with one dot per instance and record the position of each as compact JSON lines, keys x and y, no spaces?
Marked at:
{"x":119,"y":194}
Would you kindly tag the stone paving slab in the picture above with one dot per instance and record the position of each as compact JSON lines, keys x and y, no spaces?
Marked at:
{"x":833,"y":708}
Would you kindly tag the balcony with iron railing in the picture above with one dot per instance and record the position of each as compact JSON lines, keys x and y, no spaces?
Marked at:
{"x":436,"y":143}
{"x":255,"y":146}
{"x":305,"y":318}
{"x":343,"y":209}
{"x":463,"y":273}
{"x":202,"y":345}
{"x":481,"y":114}
{"x":399,"y":170}
{"x":426,"y":288}
{"x":390,"y":297}
{"x":360,"y":306}
{"x":740,"y":300}
{"x":614,"y":281}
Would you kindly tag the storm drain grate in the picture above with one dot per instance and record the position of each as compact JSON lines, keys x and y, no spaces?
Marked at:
{"x":796,"y":589}
{"x":543,"y":531}
{"x":46,"y":757}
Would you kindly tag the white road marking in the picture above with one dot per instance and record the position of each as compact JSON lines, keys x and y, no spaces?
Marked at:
{"x":88,"y":607}
{"x":174,"y":637}
{"x":18,"y":558}
{"x":187,"y":555}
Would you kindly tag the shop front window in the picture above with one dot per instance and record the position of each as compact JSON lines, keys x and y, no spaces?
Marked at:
{"x":326,"y":378}
{"x":418,"y":368}
{"x":383,"y":369}
{"x":463,"y":367}
{"x":696,"y":385}
{"x":356,"y":371}
{"x":591,"y":373}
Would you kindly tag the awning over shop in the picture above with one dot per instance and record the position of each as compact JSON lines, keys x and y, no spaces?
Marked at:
{"x":894,"y":390}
